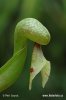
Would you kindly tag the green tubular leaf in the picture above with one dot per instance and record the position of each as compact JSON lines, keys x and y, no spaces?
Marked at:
{"x":12,"y":69}
{"x":32,"y":29}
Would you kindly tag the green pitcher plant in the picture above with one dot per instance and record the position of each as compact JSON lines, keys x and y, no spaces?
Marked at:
{"x":28,"y":28}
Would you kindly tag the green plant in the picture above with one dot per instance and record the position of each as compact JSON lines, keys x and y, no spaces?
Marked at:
{"x":32,"y":29}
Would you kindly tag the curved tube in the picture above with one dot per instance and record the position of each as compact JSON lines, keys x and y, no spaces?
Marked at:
{"x":28,"y":28}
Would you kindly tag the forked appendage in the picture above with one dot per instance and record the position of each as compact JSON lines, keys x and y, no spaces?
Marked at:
{"x":39,"y":64}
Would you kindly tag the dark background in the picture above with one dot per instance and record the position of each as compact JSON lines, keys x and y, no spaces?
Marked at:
{"x":52,"y":13}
